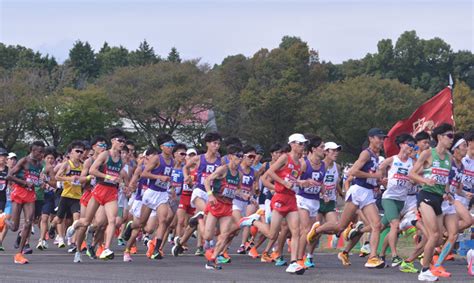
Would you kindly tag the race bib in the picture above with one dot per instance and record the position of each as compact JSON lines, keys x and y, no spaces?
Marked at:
{"x":440,"y":176}
{"x":162,"y":184}
{"x":228,"y":192}
{"x":3,"y":185}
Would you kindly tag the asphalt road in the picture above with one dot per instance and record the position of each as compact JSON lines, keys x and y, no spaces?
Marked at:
{"x":56,"y":264}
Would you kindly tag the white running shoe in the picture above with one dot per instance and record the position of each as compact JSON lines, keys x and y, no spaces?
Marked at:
{"x":248,"y":221}
{"x":427,"y":276}
{"x":470,"y":262}
{"x":77,"y":257}
{"x":295,"y":268}
{"x":71,"y":230}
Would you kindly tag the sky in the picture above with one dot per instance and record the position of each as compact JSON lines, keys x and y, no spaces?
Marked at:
{"x":212,"y":30}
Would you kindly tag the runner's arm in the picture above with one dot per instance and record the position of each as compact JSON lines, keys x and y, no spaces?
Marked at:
{"x":12,"y":173}
{"x":355,"y":170}
{"x":414,"y":173}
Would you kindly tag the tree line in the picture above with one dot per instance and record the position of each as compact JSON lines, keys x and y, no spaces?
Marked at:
{"x":262,"y":98}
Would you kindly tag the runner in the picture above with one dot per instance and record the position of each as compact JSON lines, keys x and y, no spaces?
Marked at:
{"x":397,"y":186}
{"x":360,"y":196}
{"x":25,"y":176}
{"x":70,"y":174}
{"x":285,"y":172}
{"x":206,"y":164}
{"x":307,"y":198}
{"x":11,"y":162}
{"x":225,"y":182}
{"x":107,"y":169}
{"x":435,"y":165}
{"x":184,"y":208}
{"x":158,"y":170}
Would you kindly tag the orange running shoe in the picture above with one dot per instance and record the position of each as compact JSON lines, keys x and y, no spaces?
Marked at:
{"x":253,"y":252}
{"x":266,"y":257}
{"x":151,"y":248}
{"x":439,"y":271}
{"x":83,"y":246}
{"x":345,"y":233}
{"x":208,"y":254}
{"x":20,"y":259}
{"x":100,"y":249}
{"x":2,"y":221}
{"x":226,"y":255}
{"x":133,"y":250}
{"x":301,"y":263}
{"x":450,"y":257}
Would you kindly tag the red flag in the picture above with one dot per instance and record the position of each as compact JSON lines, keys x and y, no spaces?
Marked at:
{"x":437,"y":110}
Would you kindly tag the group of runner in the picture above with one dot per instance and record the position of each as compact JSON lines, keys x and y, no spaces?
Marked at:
{"x":103,"y":190}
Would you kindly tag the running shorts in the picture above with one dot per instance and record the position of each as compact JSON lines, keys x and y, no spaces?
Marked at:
{"x":284,"y":203}
{"x":310,"y":205}
{"x":326,"y":207}
{"x":185,"y":204}
{"x":104,"y":194}
{"x":432,"y":200}
{"x":68,"y":206}
{"x":392,"y":210}
{"x":22,"y":195}
{"x":219,"y":209}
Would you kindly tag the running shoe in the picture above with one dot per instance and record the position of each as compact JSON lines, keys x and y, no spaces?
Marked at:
{"x":83,"y":246}
{"x":274,"y":255}
{"x":71,"y":230}
{"x":227,"y":256}
{"x":27,"y":250}
{"x":346,"y":232}
{"x":56,"y":240}
{"x":344,"y":258}
{"x":157,"y":254}
{"x":253,"y":252}
{"x":146,"y":239}
{"x":280,"y":261}
{"x":127,"y":257}
{"x":177,"y":248}
{"x":266,"y":257}
{"x":427,"y":276}
{"x":40,"y":246}
{"x":20,"y":259}
{"x":133,"y":250}
{"x":408,"y":267}
{"x":356,"y":231}
{"x":212,"y":265}
{"x":364,"y":250}
{"x":241,"y":250}
{"x":107,"y":254}
{"x":120,"y":242}
{"x":248,"y":221}
{"x":396,"y":261}
{"x":222,"y":260}
{"x":99,"y":250}
{"x":52,"y":232}
{"x":151,"y":248}
{"x":309,"y":262}
{"x":77,"y":257}
{"x":208,"y":254}
{"x":91,"y":252}
{"x":301,"y":263}
{"x":439,"y":271}
{"x":2,"y":249}
{"x":375,"y":262}
{"x":72,"y":249}
{"x":199,"y":251}
{"x":194,"y":220}
{"x":295,"y":268}
{"x":32,"y":229}
{"x":127,"y":232}
{"x":312,"y":235}
{"x":3,"y":216}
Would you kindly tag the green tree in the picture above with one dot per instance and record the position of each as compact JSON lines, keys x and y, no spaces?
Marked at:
{"x":83,"y":60}
{"x":463,"y":98}
{"x":173,"y":56}
{"x":144,"y":55}
{"x":160,"y":98}
{"x":110,"y":58}
{"x":345,"y":111}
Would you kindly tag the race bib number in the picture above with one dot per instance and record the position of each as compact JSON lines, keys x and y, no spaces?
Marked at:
{"x":187,"y":188}
{"x":468,"y":180}
{"x":113,"y":174}
{"x":440,"y":176}
{"x":3,"y":185}
{"x":162,"y":184}
{"x":312,"y":190}
{"x":229,"y":192}
{"x":372,"y":181}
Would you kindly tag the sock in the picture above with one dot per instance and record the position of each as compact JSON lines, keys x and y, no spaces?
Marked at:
{"x":308,"y":255}
{"x":366,"y":242}
{"x":158,"y":244}
{"x":443,"y":254}
{"x":293,"y":261}
{"x":424,"y":269}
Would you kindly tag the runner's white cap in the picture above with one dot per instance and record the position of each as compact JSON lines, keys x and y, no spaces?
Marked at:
{"x":332,"y":145}
{"x":191,"y":150}
{"x":297,"y":138}
{"x":11,"y":155}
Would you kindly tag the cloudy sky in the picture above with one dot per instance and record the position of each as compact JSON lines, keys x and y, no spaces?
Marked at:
{"x":212,"y":30}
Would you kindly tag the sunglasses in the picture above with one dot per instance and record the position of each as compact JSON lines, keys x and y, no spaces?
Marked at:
{"x":450,"y":135}
{"x":182,"y":153}
{"x":299,"y":143}
{"x":169,"y":144}
{"x":250,"y":156}
{"x":79,"y":151}
{"x":239,"y":155}
{"x":192,"y":154}
{"x":120,"y":140}
{"x":412,"y":145}
{"x":103,"y":145}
